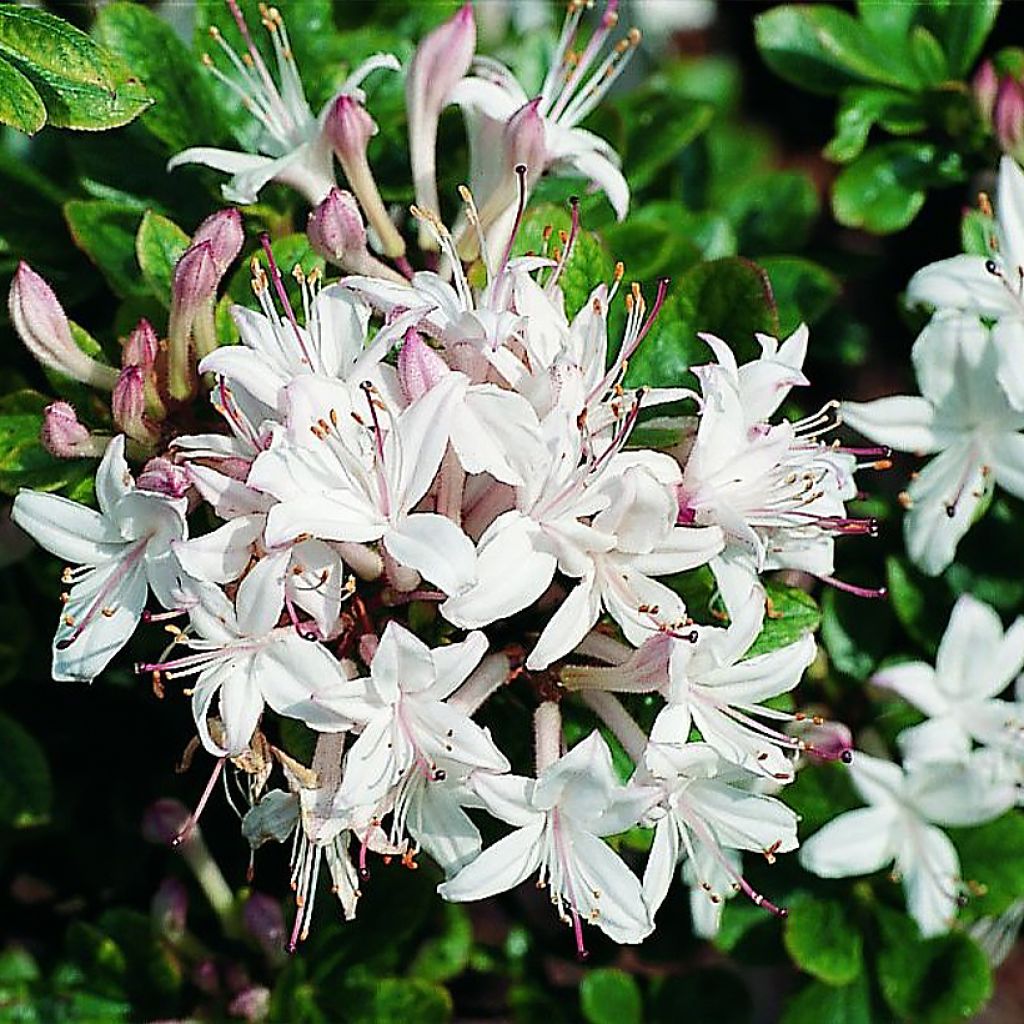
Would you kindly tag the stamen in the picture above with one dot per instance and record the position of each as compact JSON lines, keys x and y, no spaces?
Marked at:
{"x":193,"y":819}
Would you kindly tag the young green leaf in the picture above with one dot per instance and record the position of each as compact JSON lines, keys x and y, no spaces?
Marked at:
{"x":159,"y":245}
{"x":822,"y":940}
{"x":20,"y":105}
{"x":611,"y":996}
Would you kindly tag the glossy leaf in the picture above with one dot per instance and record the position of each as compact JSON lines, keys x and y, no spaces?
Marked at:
{"x":611,"y":996}
{"x":159,"y":245}
{"x":823,"y":940}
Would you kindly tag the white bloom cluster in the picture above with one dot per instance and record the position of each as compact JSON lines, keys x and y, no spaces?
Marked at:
{"x":422,"y":452}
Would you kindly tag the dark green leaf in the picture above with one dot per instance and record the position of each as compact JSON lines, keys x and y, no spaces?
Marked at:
{"x":159,"y":245}
{"x":773,"y":212}
{"x":611,"y":996}
{"x":792,"y":614}
{"x":656,"y":141}
{"x":916,"y":600}
{"x":962,"y":28}
{"x":978,"y":233}
{"x":447,"y":954}
{"x":819,"y":1002}
{"x":803,"y":290}
{"x":928,"y":57}
{"x":25,"y":787}
{"x":992,"y":864}
{"x":822,"y":940}
{"x":856,"y":632}
{"x":860,"y":109}
{"x":183,"y":111}
{"x":105,"y":230}
{"x":823,"y":49}
{"x":820,"y":793}
{"x":20,"y":105}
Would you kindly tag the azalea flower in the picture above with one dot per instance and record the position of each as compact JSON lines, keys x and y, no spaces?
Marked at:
{"x":340,"y":477}
{"x":242,"y":655}
{"x":703,"y":810}
{"x":990,"y":286}
{"x":292,"y":147}
{"x":122,"y":551}
{"x":962,"y":417}
{"x":976,"y":662}
{"x":900,"y":826}
{"x":559,"y":818}
{"x":777,"y":492}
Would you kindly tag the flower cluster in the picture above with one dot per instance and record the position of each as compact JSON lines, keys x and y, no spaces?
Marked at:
{"x":423,"y":488}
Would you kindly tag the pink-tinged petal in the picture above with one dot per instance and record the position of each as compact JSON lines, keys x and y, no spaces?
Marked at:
{"x":113,"y":477}
{"x":224,"y":232}
{"x":66,"y":529}
{"x":421,"y":437}
{"x":64,"y":437}
{"x":904,"y":423}
{"x":436,"y":548}
{"x":500,"y":867}
{"x":419,"y":367}
{"x":858,"y":842}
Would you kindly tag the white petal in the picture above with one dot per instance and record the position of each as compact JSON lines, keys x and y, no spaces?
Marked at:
{"x":661,"y":864}
{"x":454,"y":663}
{"x":447,"y":734}
{"x":113,"y":477}
{"x":931,"y":871}
{"x":221,"y":556}
{"x":500,"y":867}
{"x":856,"y":843}
{"x":241,"y":705}
{"x":338,"y":516}
{"x":66,"y":529}
{"x":878,"y":781}
{"x":974,"y":632}
{"x":436,"y":548}
{"x":575,"y":616}
{"x":508,"y":797}
{"x":915,"y":682}
{"x":1007,"y":451}
{"x":1010,"y":211}
{"x":1009,"y":337}
{"x":604,"y":174}
{"x":961,"y":282}
{"x":260,"y":597}
{"x":370,"y":767}
{"x":443,"y":828}
{"x":904,"y":423}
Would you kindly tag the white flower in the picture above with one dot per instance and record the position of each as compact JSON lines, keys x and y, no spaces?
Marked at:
{"x":989,"y":286}
{"x":242,"y":655}
{"x":975,"y":663}
{"x":702,"y":810}
{"x":776,"y":491}
{"x":122,"y":551}
{"x":900,"y":825}
{"x":963,"y":417}
{"x":559,"y":819}
{"x":291,"y":143}
{"x":345,"y":475}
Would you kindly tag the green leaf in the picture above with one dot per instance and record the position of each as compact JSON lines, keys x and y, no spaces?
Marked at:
{"x":978,"y":234}
{"x":730,"y":298}
{"x":447,"y":954}
{"x":400,"y":1001}
{"x":917,"y":601}
{"x":159,"y":244}
{"x":655,"y":141}
{"x":857,"y":632}
{"x":861,"y":109}
{"x":884,"y":189}
{"x":824,"y":49}
{"x":792,"y":614}
{"x":773,"y":212}
{"x":819,"y":1003}
{"x":934,"y":981}
{"x":822,"y":940}
{"x":928,"y":56}
{"x":611,"y":996}
{"x":819,"y":794}
{"x":81,"y":85}
{"x":184,"y":110}
{"x":992,"y":864}
{"x":804,"y":291}
{"x":105,"y":230}
{"x":711,"y":994}
{"x":962,"y":28}
{"x":26,"y":790}
{"x":20,"y":105}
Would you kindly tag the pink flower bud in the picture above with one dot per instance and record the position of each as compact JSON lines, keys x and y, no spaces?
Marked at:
{"x":440,"y":61}
{"x":42,"y":326}
{"x":251,"y":1004}
{"x":336,"y":230}
{"x":419,"y":366}
{"x":349,"y":128}
{"x":141,"y":348}
{"x":164,"y":477}
{"x":169,"y":908}
{"x":62,"y":434}
{"x":163,"y":821}
{"x":128,"y":405}
{"x":264,"y":921}
{"x":193,"y":293}
{"x":1008,"y":117}
{"x":525,"y":141}
{"x":985,"y":86}
{"x":223,"y":230}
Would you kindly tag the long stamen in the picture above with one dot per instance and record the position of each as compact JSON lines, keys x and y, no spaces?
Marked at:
{"x":193,"y":819}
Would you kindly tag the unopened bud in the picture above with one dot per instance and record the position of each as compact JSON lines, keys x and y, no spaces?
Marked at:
{"x":141,"y":348}
{"x":1008,"y":117}
{"x":169,"y":908}
{"x":41,"y":324}
{"x":419,"y":366}
{"x":164,"y":477}
{"x":163,"y":821}
{"x":441,"y":60}
{"x":64,"y":436}
{"x":195,"y":287}
{"x":263,"y":919}
{"x":985,"y":85}
{"x":223,"y":230}
{"x":336,"y":231}
{"x":128,"y":406}
{"x":525,"y":140}
{"x":349,"y":128}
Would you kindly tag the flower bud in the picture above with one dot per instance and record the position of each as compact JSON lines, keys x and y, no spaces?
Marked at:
{"x":985,"y":85}
{"x":336,"y":231}
{"x":63,"y":436}
{"x":128,"y":405}
{"x":169,"y":909}
{"x":141,"y":348}
{"x":42,"y":326}
{"x":195,"y":287}
{"x":419,"y":366}
{"x":1008,"y":117}
{"x":163,"y":821}
{"x":251,"y":1004}
{"x":349,"y":128}
{"x":440,"y":61}
{"x":525,"y":140}
{"x":223,"y":230}
{"x":164,"y":477}
{"x":264,"y":921}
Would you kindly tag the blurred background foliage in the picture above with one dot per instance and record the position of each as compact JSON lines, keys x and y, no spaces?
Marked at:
{"x":787,"y":163}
